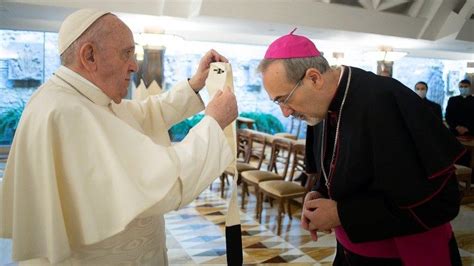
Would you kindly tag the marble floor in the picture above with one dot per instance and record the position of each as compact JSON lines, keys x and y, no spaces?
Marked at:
{"x":195,"y":236}
{"x":187,"y":246}
{"x":261,"y":244}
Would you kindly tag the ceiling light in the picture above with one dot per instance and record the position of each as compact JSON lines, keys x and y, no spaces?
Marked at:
{"x":386,"y":54}
{"x":336,"y":59}
{"x":158,"y":41}
{"x":470,"y":67}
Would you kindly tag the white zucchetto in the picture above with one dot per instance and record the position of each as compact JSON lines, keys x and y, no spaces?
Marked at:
{"x":75,"y":25}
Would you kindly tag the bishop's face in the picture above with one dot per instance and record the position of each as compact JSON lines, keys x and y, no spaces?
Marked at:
{"x":298,"y":99}
{"x":116,"y":61}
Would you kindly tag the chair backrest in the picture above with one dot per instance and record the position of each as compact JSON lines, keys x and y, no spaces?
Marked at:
{"x":286,"y":135}
{"x":257,"y":148}
{"x":280,"y":156}
{"x":243,"y":142}
{"x":297,"y":163}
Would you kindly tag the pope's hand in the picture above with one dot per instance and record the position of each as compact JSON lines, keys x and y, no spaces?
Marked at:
{"x":322,"y":214}
{"x":305,"y":221}
{"x":198,"y":81}
{"x":223,"y":107}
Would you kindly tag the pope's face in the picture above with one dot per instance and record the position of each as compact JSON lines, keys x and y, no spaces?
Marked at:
{"x":302,"y":103}
{"x":116,"y":61}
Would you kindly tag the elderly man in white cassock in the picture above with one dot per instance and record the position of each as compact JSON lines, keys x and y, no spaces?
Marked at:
{"x":90,"y":175}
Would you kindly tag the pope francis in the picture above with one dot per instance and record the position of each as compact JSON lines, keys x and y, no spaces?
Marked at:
{"x":90,"y":175}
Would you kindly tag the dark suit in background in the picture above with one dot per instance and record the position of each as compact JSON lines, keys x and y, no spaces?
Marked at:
{"x":436,"y":108}
{"x":460,"y":112}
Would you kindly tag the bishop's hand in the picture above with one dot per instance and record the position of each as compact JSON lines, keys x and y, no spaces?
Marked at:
{"x":305,"y":221}
{"x":322,"y":215}
{"x":198,"y":81}
{"x":462,"y":130}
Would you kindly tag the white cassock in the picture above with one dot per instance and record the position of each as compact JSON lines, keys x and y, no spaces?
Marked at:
{"x":87,"y":180}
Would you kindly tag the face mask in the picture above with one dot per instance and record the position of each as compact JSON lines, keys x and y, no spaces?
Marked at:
{"x":421,"y":93}
{"x":465,"y":91}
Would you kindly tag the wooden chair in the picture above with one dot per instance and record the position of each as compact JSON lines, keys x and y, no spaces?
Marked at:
{"x":463,"y":174}
{"x":286,"y":135}
{"x":255,"y":149}
{"x":258,"y":144}
{"x":243,"y":142}
{"x":284,"y":191}
{"x":248,"y":122}
{"x":280,"y":156}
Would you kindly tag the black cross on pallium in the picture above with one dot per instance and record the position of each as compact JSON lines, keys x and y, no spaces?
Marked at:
{"x":219,"y":70}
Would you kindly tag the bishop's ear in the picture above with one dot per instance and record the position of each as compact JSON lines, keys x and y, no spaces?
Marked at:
{"x":88,"y":56}
{"x":315,"y":76}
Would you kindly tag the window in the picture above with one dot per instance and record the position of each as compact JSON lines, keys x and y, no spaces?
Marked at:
{"x":27,"y":59}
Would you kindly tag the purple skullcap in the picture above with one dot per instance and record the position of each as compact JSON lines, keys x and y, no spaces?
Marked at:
{"x":291,"y":46}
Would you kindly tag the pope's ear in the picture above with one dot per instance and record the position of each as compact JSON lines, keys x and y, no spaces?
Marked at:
{"x":88,"y":56}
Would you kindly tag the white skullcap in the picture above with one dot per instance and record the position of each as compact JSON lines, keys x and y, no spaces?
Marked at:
{"x":75,"y":25}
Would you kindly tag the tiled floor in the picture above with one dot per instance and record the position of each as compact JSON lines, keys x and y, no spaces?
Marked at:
{"x":195,"y":236}
{"x":186,"y":245}
{"x":261,"y":244}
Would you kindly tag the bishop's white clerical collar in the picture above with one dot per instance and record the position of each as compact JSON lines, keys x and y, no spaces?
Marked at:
{"x":340,"y":76}
{"x":83,"y":86}
{"x":337,"y":86}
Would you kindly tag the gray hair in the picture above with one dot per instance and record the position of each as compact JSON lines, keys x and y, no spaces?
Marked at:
{"x":92,"y":34}
{"x":296,"y":67}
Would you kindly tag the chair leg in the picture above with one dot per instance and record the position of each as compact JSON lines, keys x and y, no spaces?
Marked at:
{"x":258,"y":200}
{"x":223,"y":178}
{"x":259,"y":207}
{"x":280,"y":210}
{"x":288,"y":204}
{"x":244,"y":191}
{"x":468,"y":185}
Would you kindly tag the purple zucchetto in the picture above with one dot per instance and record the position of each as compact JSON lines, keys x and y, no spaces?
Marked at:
{"x":291,"y":46}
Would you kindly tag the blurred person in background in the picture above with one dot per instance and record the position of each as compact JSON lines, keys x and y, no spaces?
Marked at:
{"x":421,"y":88}
{"x":460,"y":111}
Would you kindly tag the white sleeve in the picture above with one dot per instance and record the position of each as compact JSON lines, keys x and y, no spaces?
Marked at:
{"x":170,"y":107}
{"x":196,"y":165}
{"x":196,"y":171}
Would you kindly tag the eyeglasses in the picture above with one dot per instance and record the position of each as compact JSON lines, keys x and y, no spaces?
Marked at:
{"x":278,"y":100}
